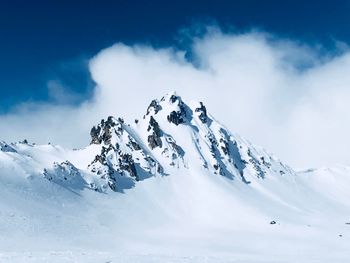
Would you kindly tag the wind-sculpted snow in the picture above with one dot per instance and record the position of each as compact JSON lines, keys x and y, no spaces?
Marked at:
{"x":66,"y":175}
{"x":175,"y":181}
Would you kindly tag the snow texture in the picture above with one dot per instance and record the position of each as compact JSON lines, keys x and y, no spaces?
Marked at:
{"x":174,"y":186}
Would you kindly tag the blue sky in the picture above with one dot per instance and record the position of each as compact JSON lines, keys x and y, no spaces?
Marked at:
{"x":43,"y":41}
{"x":276,"y":72}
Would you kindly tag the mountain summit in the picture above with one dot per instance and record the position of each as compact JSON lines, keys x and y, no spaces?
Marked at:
{"x":175,"y":135}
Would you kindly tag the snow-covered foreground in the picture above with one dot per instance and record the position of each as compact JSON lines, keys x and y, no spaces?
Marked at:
{"x":187,"y":218}
{"x":165,"y":190}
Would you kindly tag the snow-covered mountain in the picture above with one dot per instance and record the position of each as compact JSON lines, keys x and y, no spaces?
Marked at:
{"x":174,"y":184}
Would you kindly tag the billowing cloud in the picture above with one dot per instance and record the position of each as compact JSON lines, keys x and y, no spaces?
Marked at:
{"x":288,"y":97}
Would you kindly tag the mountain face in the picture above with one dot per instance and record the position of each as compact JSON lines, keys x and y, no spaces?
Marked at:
{"x":170,"y":136}
{"x":174,"y":135}
{"x":176,"y":181}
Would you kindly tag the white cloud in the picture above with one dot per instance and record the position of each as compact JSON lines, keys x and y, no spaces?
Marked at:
{"x":280,"y":94}
{"x":58,"y":93}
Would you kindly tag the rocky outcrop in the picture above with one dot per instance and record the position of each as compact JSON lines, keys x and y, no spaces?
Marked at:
{"x":154,"y":139}
{"x":154,"y":106}
{"x":176,"y":117}
{"x":202,"y":113}
{"x":103,"y":131}
{"x":121,"y":154}
{"x":179,"y":115}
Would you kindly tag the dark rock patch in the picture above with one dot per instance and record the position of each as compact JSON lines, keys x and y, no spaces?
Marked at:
{"x":202,"y":113}
{"x":155,"y":106}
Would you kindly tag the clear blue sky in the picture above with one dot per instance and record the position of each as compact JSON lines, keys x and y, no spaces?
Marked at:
{"x":45,"y":40}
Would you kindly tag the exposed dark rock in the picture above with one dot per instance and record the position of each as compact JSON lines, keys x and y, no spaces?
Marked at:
{"x":179,"y":151}
{"x":177,"y":117}
{"x":112,"y":183}
{"x":126,"y":163}
{"x":154,"y":139}
{"x":155,"y":105}
{"x":116,"y":164}
{"x":174,"y":98}
{"x":107,"y":135}
{"x":103,"y":132}
{"x":174,"y":117}
{"x":94,"y":133}
{"x":153,"y":124}
{"x":108,"y":171}
{"x":202,"y":113}
{"x":225,"y":147}
{"x":256,"y":165}
{"x":264,"y":162}
{"x":134,"y":145}
{"x":174,"y":152}
{"x":101,"y":158}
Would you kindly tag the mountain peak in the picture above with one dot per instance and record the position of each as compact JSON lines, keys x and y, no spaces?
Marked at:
{"x":176,"y":110}
{"x":102,"y":133}
{"x":171,"y":135}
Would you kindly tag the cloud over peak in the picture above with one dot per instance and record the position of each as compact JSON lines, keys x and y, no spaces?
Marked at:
{"x":284,"y":95}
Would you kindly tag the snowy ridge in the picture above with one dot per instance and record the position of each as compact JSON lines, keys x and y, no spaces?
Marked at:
{"x":171,"y":135}
{"x":174,"y":135}
{"x":175,"y":181}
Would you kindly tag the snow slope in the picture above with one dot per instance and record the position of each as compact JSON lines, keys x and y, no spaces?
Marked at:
{"x":174,"y":186}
